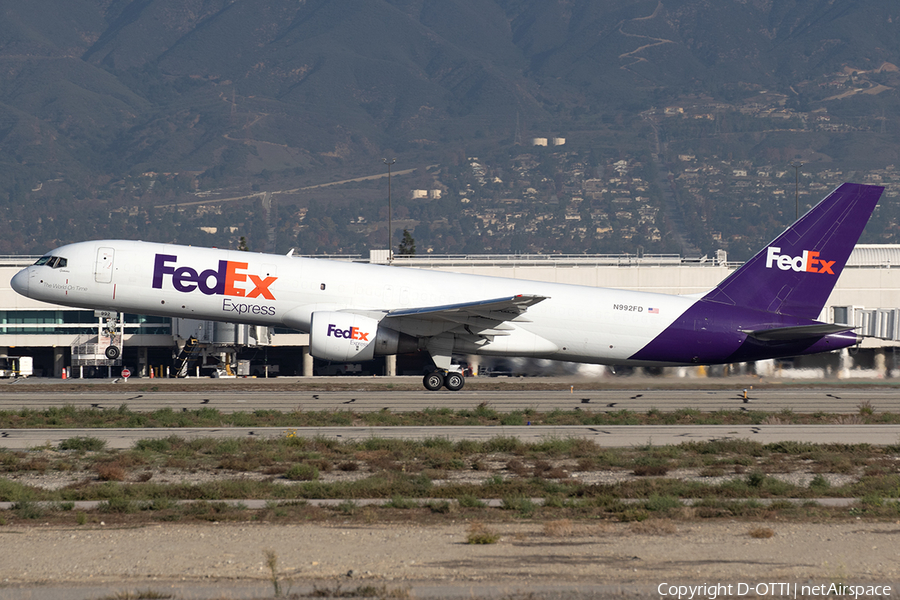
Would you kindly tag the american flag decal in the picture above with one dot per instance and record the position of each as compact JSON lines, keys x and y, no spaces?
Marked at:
{"x":653,"y":311}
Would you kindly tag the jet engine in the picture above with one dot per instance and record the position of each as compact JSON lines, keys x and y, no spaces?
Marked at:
{"x":342,"y":336}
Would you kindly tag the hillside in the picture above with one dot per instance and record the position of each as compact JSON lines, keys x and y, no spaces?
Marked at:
{"x":257,"y":95}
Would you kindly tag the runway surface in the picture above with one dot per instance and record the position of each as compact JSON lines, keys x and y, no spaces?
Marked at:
{"x":613,"y":436}
{"x":146,"y":396}
{"x":830,"y":400}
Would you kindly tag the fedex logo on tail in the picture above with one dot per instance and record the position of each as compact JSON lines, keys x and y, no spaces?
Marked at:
{"x":808,"y":262}
{"x":351,"y":333}
{"x":227,"y":280}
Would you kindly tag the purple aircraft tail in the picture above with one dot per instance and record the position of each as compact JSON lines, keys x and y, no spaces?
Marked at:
{"x":795,"y":273}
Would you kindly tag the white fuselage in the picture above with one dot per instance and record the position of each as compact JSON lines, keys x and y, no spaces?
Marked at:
{"x":581,"y":324}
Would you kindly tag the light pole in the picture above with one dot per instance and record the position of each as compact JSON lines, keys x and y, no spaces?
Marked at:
{"x":390,"y":229}
{"x":797,"y":188}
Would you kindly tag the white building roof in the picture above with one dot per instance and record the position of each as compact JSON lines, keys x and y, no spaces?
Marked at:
{"x":875,"y":255}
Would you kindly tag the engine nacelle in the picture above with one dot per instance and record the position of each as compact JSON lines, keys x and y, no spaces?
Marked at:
{"x":345,"y":337}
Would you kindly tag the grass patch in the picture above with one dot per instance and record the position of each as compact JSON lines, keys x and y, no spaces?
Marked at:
{"x":656,"y":503}
{"x":479,"y":533}
{"x":469,"y":501}
{"x":401,"y":503}
{"x":71,"y":417}
{"x":449,"y":478}
{"x":83,"y":444}
{"x":524,"y":506}
{"x":28,"y":509}
{"x":302,"y":472}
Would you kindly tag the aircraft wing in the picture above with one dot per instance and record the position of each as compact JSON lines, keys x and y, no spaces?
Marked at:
{"x":484,"y":318}
{"x":501,"y":309}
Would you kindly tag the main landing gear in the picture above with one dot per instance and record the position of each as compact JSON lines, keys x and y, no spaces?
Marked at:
{"x":452,"y":380}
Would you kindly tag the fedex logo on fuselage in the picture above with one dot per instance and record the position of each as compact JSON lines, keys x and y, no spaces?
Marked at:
{"x":808,"y":262}
{"x":226,"y":280}
{"x":351,"y":333}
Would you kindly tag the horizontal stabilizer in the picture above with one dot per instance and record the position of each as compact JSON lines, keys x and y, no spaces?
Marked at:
{"x":799,"y":332}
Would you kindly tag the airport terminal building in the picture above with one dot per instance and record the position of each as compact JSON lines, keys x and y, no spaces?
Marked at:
{"x":59,"y":341}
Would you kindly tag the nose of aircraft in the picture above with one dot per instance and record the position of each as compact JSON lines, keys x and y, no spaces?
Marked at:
{"x":19,"y":282}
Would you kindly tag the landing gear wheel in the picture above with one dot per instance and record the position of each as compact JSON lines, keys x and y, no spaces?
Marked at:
{"x":112,"y":352}
{"x":454,"y":381}
{"x":433,"y":381}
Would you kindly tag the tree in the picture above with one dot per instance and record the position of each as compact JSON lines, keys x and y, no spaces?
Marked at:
{"x":407,"y":244}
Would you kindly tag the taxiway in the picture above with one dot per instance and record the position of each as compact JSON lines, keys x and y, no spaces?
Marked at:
{"x":137,"y":398}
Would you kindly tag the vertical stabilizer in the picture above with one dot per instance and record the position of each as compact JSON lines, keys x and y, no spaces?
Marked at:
{"x":795,"y":273}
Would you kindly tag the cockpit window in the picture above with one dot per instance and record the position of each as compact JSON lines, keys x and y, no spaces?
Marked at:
{"x":54,"y":262}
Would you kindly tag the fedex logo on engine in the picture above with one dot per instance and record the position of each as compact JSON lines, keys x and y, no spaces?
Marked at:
{"x":226,"y":280}
{"x":351,"y":333}
{"x":808,"y":262}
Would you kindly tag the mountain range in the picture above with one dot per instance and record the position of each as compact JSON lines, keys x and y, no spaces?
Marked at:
{"x":256,"y":93}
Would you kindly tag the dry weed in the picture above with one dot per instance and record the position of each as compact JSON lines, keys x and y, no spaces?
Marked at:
{"x":556,"y":473}
{"x":559,"y":528}
{"x":650,"y":470}
{"x":540,"y":468}
{"x":684,"y":513}
{"x":849,"y":420}
{"x":587,"y":463}
{"x":653,"y":527}
{"x":761,"y":533}
{"x":517,"y":467}
{"x":479,"y":533}
{"x":36,"y":464}
{"x":272,"y":564}
{"x":112,"y":471}
{"x":713,"y":471}
{"x":605,"y":528}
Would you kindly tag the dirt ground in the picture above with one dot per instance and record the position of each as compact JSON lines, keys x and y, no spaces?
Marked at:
{"x":531,"y":560}
{"x":578,"y":558}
